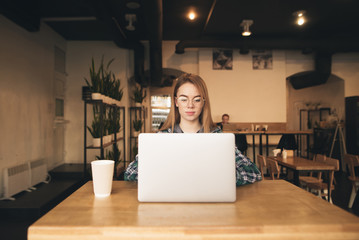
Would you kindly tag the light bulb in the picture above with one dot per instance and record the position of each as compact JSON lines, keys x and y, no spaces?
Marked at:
{"x":300,"y":21}
{"x":246,"y":33}
{"x":191,"y":15}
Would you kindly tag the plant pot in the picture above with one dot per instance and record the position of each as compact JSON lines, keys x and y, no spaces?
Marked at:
{"x":96,"y":142}
{"x":136,"y":133}
{"x":105,"y":99}
{"x":96,"y":96}
{"x":86,"y":93}
{"x":137,"y":104}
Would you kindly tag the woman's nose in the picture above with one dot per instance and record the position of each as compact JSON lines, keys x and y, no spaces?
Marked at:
{"x":190,"y":104}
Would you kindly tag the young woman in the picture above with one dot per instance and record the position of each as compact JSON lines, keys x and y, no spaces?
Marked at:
{"x":191,"y":113}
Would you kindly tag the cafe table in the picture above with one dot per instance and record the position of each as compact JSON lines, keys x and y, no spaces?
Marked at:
{"x":263,"y":210}
{"x":299,"y":164}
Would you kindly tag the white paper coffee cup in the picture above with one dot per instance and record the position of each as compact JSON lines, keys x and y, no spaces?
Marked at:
{"x":102,"y":176}
{"x":276,"y":152}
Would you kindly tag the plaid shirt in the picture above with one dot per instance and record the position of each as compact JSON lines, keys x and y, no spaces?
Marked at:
{"x":246,"y":171}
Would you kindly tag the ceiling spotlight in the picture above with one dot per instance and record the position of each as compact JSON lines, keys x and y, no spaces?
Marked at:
{"x":300,"y":17}
{"x":191,"y":15}
{"x":246,"y":24}
{"x":130,"y":18}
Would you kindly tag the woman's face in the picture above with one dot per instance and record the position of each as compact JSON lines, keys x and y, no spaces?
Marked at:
{"x":189,"y":102}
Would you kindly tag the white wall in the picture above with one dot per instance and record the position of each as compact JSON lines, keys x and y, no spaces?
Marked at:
{"x":79,"y":55}
{"x":346,"y":66}
{"x":187,"y":62}
{"x":247,"y":95}
{"x":27,"y":103}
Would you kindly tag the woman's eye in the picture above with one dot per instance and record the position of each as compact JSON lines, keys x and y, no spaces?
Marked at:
{"x":197,"y":100}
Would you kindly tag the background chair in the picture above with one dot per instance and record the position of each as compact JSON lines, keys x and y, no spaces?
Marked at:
{"x":321,"y":187}
{"x":262,"y":164}
{"x":273,"y":169}
{"x":352,"y":161}
{"x":305,"y":180}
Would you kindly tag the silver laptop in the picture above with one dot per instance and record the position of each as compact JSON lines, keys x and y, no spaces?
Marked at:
{"x":198,"y":167}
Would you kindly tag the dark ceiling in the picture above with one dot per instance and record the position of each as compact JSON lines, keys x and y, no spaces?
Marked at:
{"x":332,"y":26}
{"x":86,"y":19}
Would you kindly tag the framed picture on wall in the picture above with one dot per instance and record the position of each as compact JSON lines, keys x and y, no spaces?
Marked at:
{"x":222,"y":59}
{"x":262,"y":59}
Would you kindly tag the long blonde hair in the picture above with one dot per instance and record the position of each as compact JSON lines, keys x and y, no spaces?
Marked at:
{"x":205,"y":118}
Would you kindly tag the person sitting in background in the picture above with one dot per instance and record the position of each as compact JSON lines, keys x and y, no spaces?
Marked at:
{"x":190,"y":113}
{"x":241,"y":140}
{"x":225,"y":120}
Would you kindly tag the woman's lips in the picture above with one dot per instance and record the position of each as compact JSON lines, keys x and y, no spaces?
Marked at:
{"x":190,"y":113}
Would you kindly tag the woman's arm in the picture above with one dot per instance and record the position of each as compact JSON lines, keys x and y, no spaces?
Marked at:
{"x":131,"y":172}
{"x":246,"y":171}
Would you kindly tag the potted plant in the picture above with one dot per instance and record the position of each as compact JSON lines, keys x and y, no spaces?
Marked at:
{"x":95,"y":82}
{"x":102,"y":81}
{"x":137,"y":125}
{"x":138,"y":95}
{"x":117,"y":92}
{"x":95,"y":131}
{"x":115,"y":155}
{"x":117,"y":128}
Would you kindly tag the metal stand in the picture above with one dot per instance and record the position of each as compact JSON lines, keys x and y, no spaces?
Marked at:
{"x":343,"y":149}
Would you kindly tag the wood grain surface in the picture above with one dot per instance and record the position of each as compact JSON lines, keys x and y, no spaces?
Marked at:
{"x":263,"y":210}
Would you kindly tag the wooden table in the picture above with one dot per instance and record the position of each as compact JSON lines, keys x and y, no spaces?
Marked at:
{"x":299,"y":164}
{"x":272,"y":132}
{"x":263,"y":210}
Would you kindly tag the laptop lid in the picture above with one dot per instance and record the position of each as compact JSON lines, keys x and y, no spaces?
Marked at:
{"x":198,"y":167}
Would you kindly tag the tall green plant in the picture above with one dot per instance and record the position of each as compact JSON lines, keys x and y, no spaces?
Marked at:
{"x":102,"y":80}
{"x":117,"y":92}
{"x":95,"y":82}
{"x":114,"y":117}
{"x":137,"y":125}
{"x":114,"y":154}
{"x":95,"y":129}
{"x":139,"y":94}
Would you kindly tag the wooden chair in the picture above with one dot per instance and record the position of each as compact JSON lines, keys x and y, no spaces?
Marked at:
{"x":304,"y":180}
{"x":352,"y":161}
{"x":322,"y":188}
{"x":273,"y":168}
{"x":262,"y":163}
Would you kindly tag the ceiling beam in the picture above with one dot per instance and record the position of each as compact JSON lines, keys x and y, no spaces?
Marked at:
{"x":153,"y":14}
{"x":327,"y":45}
{"x":209,"y":16}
